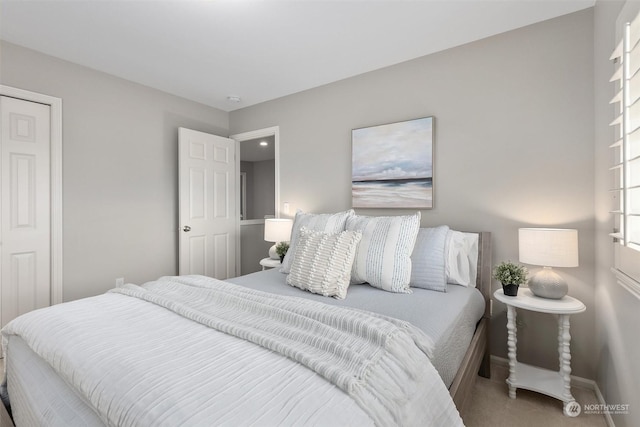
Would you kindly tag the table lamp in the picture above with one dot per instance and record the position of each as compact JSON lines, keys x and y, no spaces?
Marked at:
{"x":548,"y":247}
{"x":277,"y":230}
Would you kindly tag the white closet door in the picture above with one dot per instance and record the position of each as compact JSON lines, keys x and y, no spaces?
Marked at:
{"x":25,"y":227}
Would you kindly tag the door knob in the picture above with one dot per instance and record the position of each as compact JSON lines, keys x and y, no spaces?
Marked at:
{"x":186,"y":229}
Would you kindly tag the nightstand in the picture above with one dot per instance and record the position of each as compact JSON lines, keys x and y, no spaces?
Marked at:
{"x":552,"y":383}
{"x":270,"y":263}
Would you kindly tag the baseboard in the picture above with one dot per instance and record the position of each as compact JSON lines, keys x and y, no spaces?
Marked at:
{"x":600,"y":397}
{"x":575,"y":380}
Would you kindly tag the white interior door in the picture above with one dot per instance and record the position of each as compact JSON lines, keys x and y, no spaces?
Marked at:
{"x":25,"y":229}
{"x":207,"y":184}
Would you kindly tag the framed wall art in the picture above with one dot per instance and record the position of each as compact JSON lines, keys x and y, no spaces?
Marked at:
{"x":392,"y":165}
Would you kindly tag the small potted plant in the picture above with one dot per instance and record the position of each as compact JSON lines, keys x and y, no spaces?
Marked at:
{"x":511,"y":276}
{"x":281,"y":249}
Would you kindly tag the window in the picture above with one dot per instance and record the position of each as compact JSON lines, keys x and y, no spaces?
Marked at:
{"x":626,"y":156}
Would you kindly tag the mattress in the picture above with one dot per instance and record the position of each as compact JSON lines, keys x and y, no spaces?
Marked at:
{"x":40,"y":395}
{"x":448,"y":318}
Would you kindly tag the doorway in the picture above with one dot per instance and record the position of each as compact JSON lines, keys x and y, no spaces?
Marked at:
{"x":258,"y":195}
{"x":257,"y":179}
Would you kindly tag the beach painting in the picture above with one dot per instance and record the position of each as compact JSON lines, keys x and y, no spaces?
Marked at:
{"x":392,"y":165}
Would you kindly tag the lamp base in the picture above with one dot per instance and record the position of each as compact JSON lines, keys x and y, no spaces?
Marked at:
{"x":272,"y":252}
{"x":548,"y":284}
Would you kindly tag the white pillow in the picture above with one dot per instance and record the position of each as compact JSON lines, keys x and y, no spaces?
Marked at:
{"x":330,"y":223}
{"x":383,"y":257}
{"x":472,"y":255}
{"x":322,"y":262}
{"x":428,"y":259}
{"x":462,"y":258}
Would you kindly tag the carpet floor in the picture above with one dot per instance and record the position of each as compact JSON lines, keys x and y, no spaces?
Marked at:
{"x":492,"y":407}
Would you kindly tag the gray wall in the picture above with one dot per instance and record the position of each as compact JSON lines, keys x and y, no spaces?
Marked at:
{"x":253,"y":247}
{"x":617,"y":317}
{"x":260,"y":188}
{"x":119,"y":168}
{"x":513,"y":147}
{"x":247,"y":167}
{"x":264,"y":188}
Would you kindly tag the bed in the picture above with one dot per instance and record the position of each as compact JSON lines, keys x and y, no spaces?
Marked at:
{"x":166,"y":354}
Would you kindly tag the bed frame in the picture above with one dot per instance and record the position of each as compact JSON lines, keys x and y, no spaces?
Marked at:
{"x":476,"y":359}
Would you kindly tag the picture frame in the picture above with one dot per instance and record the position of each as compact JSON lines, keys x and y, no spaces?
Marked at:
{"x":392,"y":165}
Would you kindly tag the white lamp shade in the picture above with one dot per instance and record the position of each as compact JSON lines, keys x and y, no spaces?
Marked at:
{"x":277,"y":229}
{"x":548,"y":247}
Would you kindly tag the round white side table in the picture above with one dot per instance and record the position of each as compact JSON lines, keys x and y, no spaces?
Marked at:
{"x":269,"y":263}
{"x":521,"y":375}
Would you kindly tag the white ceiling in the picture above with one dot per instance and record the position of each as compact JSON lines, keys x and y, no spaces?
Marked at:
{"x":257,"y":50}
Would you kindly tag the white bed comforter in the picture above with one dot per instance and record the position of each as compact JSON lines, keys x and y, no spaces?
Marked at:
{"x":381,"y":363}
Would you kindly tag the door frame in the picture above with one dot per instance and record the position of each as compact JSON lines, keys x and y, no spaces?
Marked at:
{"x":246,"y":136}
{"x":55,"y":105}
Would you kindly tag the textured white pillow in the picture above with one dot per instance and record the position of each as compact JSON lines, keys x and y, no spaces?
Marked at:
{"x":322,"y":262}
{"x":383,"y":257}
{"x":329,"y":223}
